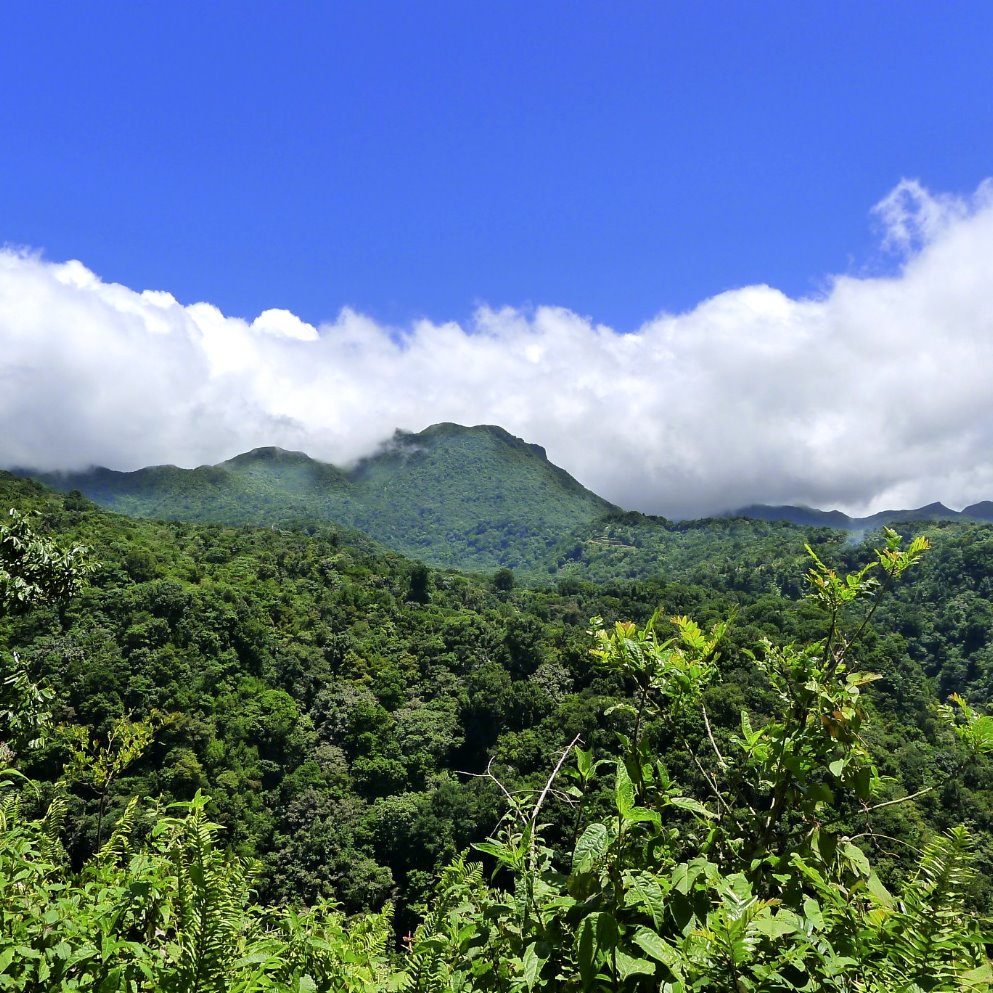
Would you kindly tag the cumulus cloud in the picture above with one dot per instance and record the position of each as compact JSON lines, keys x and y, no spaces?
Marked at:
{"x":876,"y":393}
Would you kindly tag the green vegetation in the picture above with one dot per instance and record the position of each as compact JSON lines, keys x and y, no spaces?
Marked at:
{"x":695,"y":805}
{"x":757,"y":883}
{"x":471,"y":498}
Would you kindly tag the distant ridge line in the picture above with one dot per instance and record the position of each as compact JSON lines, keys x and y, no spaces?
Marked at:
{"x":444,"y":481}
{"x":812,"y":517}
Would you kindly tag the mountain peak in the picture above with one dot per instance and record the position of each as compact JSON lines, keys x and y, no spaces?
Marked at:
{"x":475,"y":497}
{"x":982,"y":511}
{"x":935,"y":508}
{"x":450,"y":429}
{"x":268,"y":453}
{"x":805,"y":516}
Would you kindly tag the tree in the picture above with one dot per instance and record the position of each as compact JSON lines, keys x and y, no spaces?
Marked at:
{"x":503,"y":580}
{"x":35,"y":570}
{"x":173,"y":912}
{"x":419,"y":590}
{"x":756,"y":883}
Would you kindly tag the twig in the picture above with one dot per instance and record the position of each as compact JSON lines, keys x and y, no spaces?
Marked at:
{"x":899,"y":799}
{"x":706,"y":775}
{"x":551,"y":779}
{"x":710,"y":735}
{"x":886,"y":837}
{"x":489,"y":775}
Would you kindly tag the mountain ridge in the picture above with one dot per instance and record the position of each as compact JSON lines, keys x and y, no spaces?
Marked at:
{"x":474,"y":498}
{"x":471,"y":497}
{"x":812,"y":517}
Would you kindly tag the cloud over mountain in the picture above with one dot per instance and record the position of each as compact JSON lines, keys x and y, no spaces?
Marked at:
{"x":875,"y":393}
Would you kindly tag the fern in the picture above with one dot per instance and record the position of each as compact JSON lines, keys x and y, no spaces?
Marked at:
{"x":927,"y":938}
{"x":437,"y":960}
{"x":10,"y":807}
{"x":50,"y":845}
{"x":118,"y":845}
{"x":208,"y":903}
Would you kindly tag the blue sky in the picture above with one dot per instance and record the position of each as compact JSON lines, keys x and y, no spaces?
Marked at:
{"x":356,"y":216}
{"x":416,"y":159}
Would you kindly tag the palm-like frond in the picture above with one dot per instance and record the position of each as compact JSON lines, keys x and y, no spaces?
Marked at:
{"x":928,"y":938}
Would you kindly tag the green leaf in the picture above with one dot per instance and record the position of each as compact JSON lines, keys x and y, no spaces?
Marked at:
{"x":590,"y":848}
{"x":863,"y":782}
{"x":880,"y":893}
{"x":586,"y":949}
{"x":826,"y":843}
{"x":660,"y":950}
{"x":980,"y":977}
{"x":532,"y":964}
{"x":508,"y":856}
{"x":688,"y":803}
{"x":856,"y":858}
{"x":627,"y":965}
{"x":607,"y":932}
{"x":621,"y":708}
{"x":776,"y":927}
{"x":624,"y":791}
{"x":584,"y":762}
{"x":642,"y":815}
{"x":644,"y":890}
{"x":812,"y":912}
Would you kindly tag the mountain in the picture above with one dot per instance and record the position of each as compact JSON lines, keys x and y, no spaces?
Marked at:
{"x":979,"y":511}
{"x":471,"y":497}
{"x":811,"y":517}
{"x":803,"y":516}
{"x":475,"y":498}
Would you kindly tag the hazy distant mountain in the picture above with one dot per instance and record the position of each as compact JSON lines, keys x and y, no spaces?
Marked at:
{"x":979,"y":511}
{"x":804,"y":516}
{"x":473,"y":497}
{"x":810,"y":517}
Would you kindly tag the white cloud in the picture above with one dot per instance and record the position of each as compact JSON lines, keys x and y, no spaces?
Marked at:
{"x":282,"y":322}
{"x":912,"y":216}
{"x":877,"y":393}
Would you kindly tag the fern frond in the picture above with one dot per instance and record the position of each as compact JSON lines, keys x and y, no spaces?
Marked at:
{"x":10,"y":808}
{"x":50,"y":839}
{"x":118,"y":845}
{"x":209,"y":901}
{"x":929,"y":937}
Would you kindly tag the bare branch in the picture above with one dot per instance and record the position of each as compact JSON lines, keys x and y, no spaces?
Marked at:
{"x":899,"y":799}
{"x":710,"y":735}
{"x":551,"y":779}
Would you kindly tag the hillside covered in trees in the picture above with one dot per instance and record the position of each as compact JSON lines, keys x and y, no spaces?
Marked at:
{"x":705,"y":787}
{"x":472,"y":498}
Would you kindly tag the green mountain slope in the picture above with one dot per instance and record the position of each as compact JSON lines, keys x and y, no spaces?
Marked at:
{"x":471,"y":497}
{"x":477,"y":499}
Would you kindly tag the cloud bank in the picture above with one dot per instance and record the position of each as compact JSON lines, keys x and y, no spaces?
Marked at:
{"x":877,"y":393}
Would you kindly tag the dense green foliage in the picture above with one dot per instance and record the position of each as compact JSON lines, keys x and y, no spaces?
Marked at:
{"x":472,"y":498}
{"x":763,"y":887}
{"x":326,"y":695}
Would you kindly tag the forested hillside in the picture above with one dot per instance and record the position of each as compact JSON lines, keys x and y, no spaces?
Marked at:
{"x":478,"y":499}
{"x":358,"y":720}
{"x":982,"y":511}
{"x":472,"y":498}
